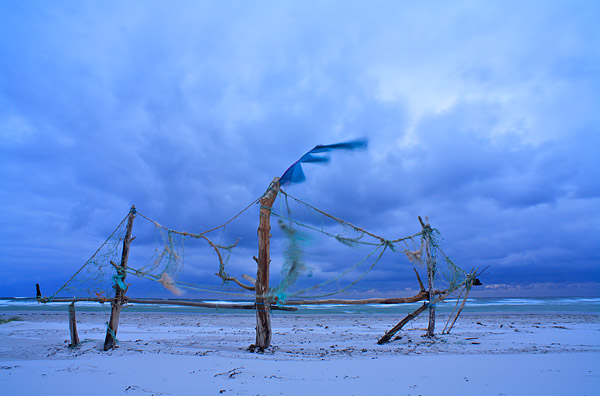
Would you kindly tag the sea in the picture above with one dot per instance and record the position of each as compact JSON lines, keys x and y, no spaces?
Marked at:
{"x":487,"y":305}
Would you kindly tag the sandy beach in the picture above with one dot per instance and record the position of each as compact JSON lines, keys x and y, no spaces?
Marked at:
{"x":206,"y":354}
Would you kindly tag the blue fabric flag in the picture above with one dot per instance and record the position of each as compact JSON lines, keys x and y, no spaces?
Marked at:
{"x":295,"y":174}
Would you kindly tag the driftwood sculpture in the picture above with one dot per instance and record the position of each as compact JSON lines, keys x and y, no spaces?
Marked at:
{"x":265,"y":297}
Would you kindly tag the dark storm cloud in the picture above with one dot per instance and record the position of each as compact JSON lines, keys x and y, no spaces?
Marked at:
{"x":482,"y":119}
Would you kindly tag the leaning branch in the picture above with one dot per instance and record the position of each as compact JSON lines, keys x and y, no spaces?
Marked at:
{"x":390,"y":333}
{"x":231,"y":278}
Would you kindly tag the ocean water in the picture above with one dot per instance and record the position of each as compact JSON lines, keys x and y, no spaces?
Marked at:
{"x":474,"y":305}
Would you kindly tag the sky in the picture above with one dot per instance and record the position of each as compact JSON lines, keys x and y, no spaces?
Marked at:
{"x":482,"y":116}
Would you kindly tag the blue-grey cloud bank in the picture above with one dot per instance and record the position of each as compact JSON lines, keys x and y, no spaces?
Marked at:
{"x":483,"y":117}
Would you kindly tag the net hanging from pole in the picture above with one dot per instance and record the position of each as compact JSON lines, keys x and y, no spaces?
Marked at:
{"x":304,"y":225}
{"x":316,"y":254}
{"x":158,"y":255}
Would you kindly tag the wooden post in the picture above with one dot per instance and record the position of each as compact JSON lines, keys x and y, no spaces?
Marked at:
{"x":263,"y":305}
{"x":430,"y":261}
{"x":116,"y":305}
{"x":73,"y":326}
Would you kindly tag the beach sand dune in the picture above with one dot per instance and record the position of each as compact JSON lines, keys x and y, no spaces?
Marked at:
{"x":206,"y":354}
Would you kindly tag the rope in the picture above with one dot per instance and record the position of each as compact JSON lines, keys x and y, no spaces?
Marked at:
{"x":338,"y":237}
{"x":201,"y":234}
{"x":216,"y":247}
{"x":184,"y":285}
{"x":381,"y":239}
{"x":112,"y":333}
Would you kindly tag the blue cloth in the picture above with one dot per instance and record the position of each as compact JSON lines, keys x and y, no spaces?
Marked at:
{"x":295,"y":174}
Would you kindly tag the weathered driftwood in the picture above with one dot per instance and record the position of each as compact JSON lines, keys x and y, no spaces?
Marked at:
{"x":263,"y":307}
{"x":249,"y":278}
{"x":231,"y":278}
{"x":171,"y":302}
{"x":390,"y":333}
{"x":453,"y":310}
{"x":431,"y":324}
{"x":441,"y":295}
{"x":203,"y":304}
{"x":73,"y":326}
{"x":76,"y":299}
{"x":430,"y":262}
{"x":422,"y":295}
{"x":462,"y":305}
{"x":117,"y":303}
{"x":422,"y":288}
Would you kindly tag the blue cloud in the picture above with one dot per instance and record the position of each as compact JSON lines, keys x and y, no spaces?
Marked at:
{"x":482,"y":117}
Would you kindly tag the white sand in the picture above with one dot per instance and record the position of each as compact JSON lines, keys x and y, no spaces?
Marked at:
{"x":186,"y":354}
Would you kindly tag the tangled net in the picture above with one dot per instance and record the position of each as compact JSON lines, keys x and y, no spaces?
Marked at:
{"x":309,"y":222}
{"x":305,"y":236}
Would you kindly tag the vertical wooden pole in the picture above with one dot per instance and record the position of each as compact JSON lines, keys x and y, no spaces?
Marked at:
{"x":73,"y":326}
{"x":430,"y":261}
{"x":117,"y":303}
{"x":263,"y":305}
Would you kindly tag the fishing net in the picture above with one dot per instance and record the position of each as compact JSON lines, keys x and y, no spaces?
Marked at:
{"x":342,"y":254}
{"x":315,"y":254}
{"x":159,"y":254}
